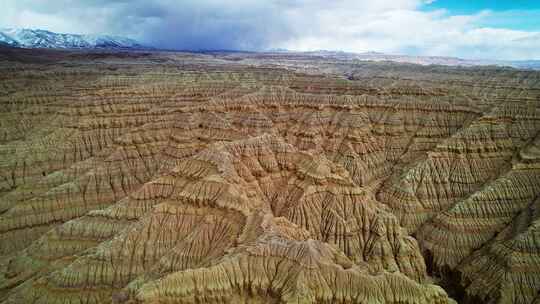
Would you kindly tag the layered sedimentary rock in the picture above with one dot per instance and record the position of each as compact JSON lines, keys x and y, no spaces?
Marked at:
{"x":178,"y":178}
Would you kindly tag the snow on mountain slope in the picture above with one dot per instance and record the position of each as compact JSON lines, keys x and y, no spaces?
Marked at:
{"x":7,"y":39}
{"x":36,"y":38}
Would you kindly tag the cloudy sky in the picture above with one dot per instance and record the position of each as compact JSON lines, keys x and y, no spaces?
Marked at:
{"x":490,"y":29}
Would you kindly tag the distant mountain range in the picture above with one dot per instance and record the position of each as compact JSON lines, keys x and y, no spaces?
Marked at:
{"x":36,"y":38}
{"x":423,"y":60}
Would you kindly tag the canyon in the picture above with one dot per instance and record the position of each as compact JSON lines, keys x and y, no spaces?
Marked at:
{"x":174,"y":177}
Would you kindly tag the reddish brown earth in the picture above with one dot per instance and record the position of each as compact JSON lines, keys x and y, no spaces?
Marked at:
{"x":193,"y":178}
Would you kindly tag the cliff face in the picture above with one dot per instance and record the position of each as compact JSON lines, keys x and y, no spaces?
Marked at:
{"x":177,"y":178}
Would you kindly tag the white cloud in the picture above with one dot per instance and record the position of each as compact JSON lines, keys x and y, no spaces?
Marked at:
{"x":403,"y":29}
{"x":391,"y":26}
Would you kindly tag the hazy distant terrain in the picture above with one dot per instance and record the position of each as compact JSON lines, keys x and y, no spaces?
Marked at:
{"x":423,"y":60}
{"x":36,"y":38}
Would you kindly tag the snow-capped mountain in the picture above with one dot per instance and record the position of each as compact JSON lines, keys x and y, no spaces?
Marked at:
{"x":36,"y":38}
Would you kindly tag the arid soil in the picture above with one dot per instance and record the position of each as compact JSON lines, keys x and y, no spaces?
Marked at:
{"x":224,"y":178}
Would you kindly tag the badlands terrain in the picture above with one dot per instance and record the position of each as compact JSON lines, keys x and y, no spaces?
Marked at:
{"x":148,"y":177}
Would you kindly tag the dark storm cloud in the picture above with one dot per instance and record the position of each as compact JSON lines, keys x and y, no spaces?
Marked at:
{"x":187,"y":24}
{"x":197,"y":24}
{"x":215,"y":25}
{"x":391,"y":26}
